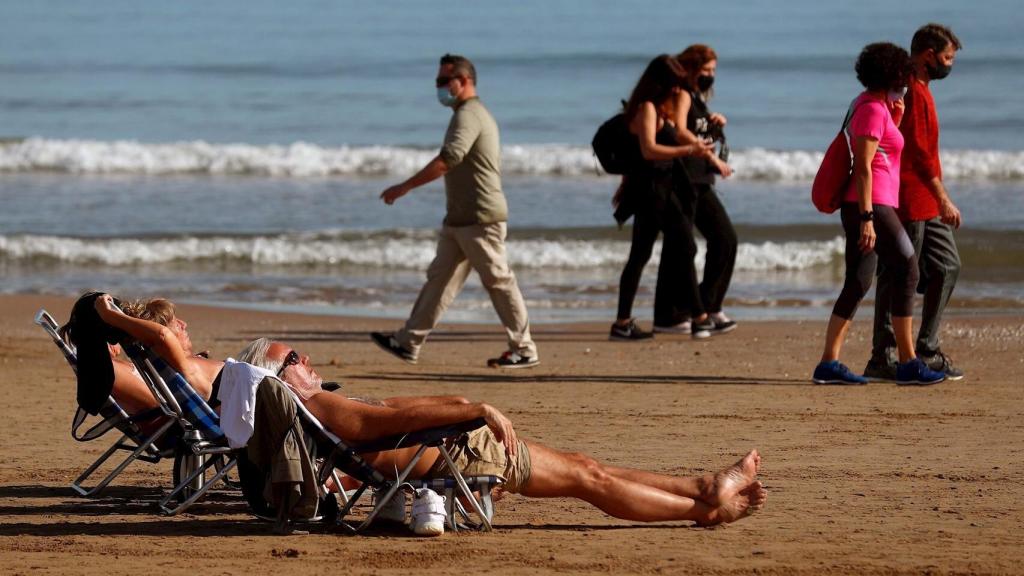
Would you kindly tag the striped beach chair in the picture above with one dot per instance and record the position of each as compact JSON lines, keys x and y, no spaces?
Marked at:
{"x":147,"y":436}
{"x":203,"y":445}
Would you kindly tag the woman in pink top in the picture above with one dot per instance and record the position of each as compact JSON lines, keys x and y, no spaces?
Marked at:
{"x":872,"y":228}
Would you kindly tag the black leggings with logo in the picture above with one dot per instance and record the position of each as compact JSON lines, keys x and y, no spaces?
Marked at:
{"x":894,"y":248}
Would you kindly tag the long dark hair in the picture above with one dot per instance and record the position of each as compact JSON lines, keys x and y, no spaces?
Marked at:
{"x":655,"y":85}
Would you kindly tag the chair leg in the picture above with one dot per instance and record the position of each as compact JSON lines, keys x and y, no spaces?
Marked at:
{"x":77,"y":484}
{"x":487,"y":505}
{"x":348,"y":508}
{"x":464,"y":489}
{"x":228,"y":483}
{"x":449,"y":509}
{"x":341,"y":489}
{"x":198,"y":493}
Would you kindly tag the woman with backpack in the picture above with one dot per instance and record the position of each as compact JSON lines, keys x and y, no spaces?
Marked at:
{"x":694,"y":121}
{"x":658,"y":188}
{"x":868,"y":212}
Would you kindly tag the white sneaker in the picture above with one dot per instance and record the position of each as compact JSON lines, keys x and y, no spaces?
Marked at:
{"x":394,"y":510}
{"x":683,"y":327}
{"x":428,"y":513}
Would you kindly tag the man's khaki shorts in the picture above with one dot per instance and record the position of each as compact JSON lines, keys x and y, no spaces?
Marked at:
{"x":480,"y":454}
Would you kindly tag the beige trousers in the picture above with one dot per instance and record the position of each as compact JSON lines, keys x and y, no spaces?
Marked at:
{"x":482,"y":248}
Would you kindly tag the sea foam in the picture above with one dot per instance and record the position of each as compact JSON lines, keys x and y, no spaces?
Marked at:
{"x":305,"y":160}
{"x":399,"y":250}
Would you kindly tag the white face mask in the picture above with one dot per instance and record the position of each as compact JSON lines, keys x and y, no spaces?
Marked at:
{"x":897,"y":94}
{"x":445,"y":97}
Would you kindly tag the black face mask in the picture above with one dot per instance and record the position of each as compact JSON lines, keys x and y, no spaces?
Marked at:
{"x":938,"y":71}
{"x":704,"y":83}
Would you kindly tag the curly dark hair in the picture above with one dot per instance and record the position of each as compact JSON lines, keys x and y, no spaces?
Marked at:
{"x":883,"y":66}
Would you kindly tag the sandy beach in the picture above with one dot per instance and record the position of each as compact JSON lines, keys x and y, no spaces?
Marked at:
{"x":863,"y":480}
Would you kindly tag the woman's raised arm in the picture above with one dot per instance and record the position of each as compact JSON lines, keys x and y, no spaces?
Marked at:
{"x":156,"y":336}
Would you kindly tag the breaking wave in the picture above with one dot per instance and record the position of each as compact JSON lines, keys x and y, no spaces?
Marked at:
{"x":305,"y":160}
{"x":385,"y":250}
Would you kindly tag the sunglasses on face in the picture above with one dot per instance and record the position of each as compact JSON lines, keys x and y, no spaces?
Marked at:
{"x":290,"y":360}
{"x":443,"y":81}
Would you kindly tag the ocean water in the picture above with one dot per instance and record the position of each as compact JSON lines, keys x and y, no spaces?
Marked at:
{"x":234,"y":152}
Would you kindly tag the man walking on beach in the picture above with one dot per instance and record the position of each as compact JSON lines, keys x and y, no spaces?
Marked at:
{"x":474,"y":229}
{"x":928,"y":214}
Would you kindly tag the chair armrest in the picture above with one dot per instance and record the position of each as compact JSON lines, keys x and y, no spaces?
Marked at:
{"x":428,"y":437}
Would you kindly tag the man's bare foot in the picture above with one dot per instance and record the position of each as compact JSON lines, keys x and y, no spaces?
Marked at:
{"x":744,"y":503}
{"x":721,"y":487}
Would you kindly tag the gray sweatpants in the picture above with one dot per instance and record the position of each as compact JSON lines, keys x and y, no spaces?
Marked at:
{"x":939,"y":263}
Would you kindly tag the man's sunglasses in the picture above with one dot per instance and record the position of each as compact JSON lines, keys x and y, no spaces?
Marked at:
{"x":290,"y":360}
{"x":443,"y":81}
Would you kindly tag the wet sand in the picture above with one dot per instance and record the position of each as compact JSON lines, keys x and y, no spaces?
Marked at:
{"x":875,"y":479}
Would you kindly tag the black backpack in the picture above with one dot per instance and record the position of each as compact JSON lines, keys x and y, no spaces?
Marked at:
{"x":617,"y":149}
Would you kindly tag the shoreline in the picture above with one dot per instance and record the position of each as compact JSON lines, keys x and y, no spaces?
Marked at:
{"x":875,"y":479}
{"x":482,"y":314}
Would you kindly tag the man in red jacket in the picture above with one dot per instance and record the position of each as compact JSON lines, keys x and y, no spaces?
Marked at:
{"x":925,"y":209}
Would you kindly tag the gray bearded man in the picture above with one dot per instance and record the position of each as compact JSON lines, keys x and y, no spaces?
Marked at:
{"x":528,"y":468}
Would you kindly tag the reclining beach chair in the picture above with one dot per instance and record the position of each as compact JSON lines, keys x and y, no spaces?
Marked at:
{"x":141,"y":446}
{"x":347,"y":458}
{"x":203,"y":444}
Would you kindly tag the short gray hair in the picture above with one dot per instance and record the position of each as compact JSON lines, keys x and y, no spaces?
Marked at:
{"x":256,"y":354}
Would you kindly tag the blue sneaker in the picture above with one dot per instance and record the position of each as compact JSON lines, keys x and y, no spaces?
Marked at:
{"x":917,"y":373}
{"x":835,"y":372}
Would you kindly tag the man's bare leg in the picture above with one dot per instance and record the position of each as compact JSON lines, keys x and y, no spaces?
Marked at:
{"x":713,"y":489}
{"x":562,"y":474}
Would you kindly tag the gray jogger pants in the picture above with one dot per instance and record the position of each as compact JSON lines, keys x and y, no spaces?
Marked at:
{"x":939,"y":262}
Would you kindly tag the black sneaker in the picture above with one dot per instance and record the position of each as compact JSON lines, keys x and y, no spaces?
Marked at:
{"x":629,"y":332}
{"x":722,"y":326}
{"x":388,"y":343}
{"x":701,"y":330}
{"x":511,"y":359}
{"x":942,"y":363}
{"x":880,"y":371}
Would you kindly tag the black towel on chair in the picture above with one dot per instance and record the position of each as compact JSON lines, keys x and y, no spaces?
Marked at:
{"x":95,"y":368}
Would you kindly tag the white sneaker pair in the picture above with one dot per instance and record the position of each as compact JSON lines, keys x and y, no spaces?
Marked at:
{"x":428,"y":513}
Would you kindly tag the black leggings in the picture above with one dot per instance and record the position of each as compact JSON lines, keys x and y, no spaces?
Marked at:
{"x":677,"y":278}
{"x":893,"y":246}
{"x":714,"y":224}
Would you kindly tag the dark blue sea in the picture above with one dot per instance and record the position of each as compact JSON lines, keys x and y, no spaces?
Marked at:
{"x":233,"y":152}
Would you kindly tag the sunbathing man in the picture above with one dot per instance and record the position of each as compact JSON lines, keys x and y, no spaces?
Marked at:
{"x":529,"y":468}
